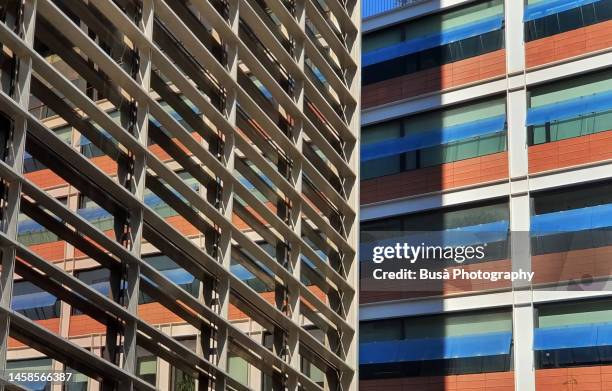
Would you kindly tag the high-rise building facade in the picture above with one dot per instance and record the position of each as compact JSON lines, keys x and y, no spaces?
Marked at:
{"x":179,"y":194}
{"x":481,"y":115}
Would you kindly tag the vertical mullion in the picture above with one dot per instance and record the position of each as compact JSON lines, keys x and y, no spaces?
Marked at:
{"x":137,"y":186}
{"x":297,"y":136}
{"x":16,"y":150}
{"x":227,"y":195}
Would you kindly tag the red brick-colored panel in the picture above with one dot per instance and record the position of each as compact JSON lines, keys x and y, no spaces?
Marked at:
{"x":572,"y":265}
{"x":45,"y":179}
{"x":84,"y":325}
{"x":50,"y":324}
{"x":404,"y":289}
{"x":447,"y":76}
{"x":569,"y":44}
{"x":570,"y":152}
{"x":155,"y":313}
{"x":106,"y":164}
{"x":426,"y":180}
{"x":182,"y":225}
{"x":597,"y":378}
{"x":159,"y":152}
{"x":52,"y":251}
{"x":497,"y":381}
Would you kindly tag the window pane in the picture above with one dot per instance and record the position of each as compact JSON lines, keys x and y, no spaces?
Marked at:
{"x":565,"y":129}
{"x":380,"y":132}
{"x":380,"y":167}
{"x":570,"y":19}
{"x":470,"y":47}
{"x":147,"y":369}
{"x":467,"y":149}
{"x":381,"y":330}
{"x":457,"y":325}
{"x":239,"y":369}
{"x":98,"y":279}
{"x":603,"y":122}
{"x":570,"y":88}
{"x":32,"y":365}
{"x":491,"y":144}
{"x":492,"y":41}
{"x":455,"y":115}
{"x":603,"y":10}
{"x":453,"y":18}
{"x":572,"y":198}
{"x":182,"y":381}
{"x":411,"y":160}
{"x":566,"y":314}
{"x":456,"y":218}
{"x":381,"y":39}
{"x":78,"y":381}
{"x":33,"y":302}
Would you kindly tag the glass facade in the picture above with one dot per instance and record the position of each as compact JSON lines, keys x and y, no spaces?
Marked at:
{"x":454,"y":35}
{"x":571,"y":219}
{"x":448,"y":342}
{"x":578,"y":98}
{"x":485,"y":115}
{"x":448,"y":137}
{"x":577,"y":16}
{"x":573,"y":334}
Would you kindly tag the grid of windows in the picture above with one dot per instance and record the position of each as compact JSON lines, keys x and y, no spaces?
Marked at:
{"x":581,"y":320}
{"x":455,"y":23}
{"x":556,"y":98}
{"x":436,"y":125}
{"x":445,"y":339}
{"x":442,"y":219}
{"x":571,"y":219}
{"x":555,"y":177}
{"x":574,"y":18}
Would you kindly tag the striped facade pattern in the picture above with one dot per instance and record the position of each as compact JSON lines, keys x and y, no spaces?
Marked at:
{"x":258,"y":102}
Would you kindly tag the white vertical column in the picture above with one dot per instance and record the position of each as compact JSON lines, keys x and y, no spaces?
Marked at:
{"x":523,"y":321}
{"x":16,"y":151}
{"x":514,"y":34}
{"x":352,"y":265}
{"x":517,"y":131}
{"x":520,"y":212}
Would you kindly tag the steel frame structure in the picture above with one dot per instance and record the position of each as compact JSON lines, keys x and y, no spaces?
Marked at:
{"x":297,"y":144}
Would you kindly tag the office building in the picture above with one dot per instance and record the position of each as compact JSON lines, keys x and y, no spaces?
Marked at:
{"x":481,"y":116}
{"x":179,"y":194}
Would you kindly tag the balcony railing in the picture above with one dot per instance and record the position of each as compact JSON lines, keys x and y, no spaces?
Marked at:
{"x":375,"y":7}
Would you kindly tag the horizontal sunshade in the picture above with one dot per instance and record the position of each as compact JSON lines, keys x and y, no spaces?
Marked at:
{"x":432,"y":41}
{"x":573,"y":337}
{"x":551,"y":7}
{"x":574,"y":220}
{"x":477,"y":345}
{"x":571,"y":108}
{"x":432,"y":138}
